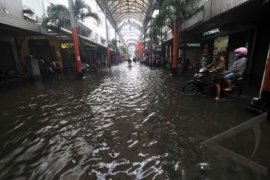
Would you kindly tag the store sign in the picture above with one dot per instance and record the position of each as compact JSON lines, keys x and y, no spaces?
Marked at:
{"x":39,"y":43}
{"x":66,"y":45}
{"x":158,"y":49}
{"x":193,"y":44}
{"x":212,"y":31}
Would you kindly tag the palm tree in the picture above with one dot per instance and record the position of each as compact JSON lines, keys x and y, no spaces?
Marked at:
{"x":58,"y":15}
{"x":153,"y":34}
{"x":83,"y":11}
{"x":172,"y":14}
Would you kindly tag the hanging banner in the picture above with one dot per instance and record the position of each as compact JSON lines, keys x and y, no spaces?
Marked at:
{"x":139,"y":46}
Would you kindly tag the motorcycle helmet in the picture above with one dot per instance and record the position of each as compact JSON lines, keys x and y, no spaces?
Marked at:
{"x":242,"y":51}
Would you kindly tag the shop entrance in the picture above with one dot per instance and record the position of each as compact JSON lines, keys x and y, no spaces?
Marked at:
{"x":7,"y":62}
{"x":40,"y":48}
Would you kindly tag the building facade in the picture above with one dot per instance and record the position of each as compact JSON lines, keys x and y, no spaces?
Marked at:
{"x":23,"y":40}
{"x":222,"y":25}
{"x":13,"y":25}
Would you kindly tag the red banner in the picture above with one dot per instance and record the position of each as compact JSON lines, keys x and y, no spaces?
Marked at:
{"x":139,"y":46}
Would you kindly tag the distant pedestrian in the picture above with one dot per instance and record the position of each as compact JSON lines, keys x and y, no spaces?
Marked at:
{"x":42,"y":67}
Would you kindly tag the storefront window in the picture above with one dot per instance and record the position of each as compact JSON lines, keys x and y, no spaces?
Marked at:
{"x":220,"y":44}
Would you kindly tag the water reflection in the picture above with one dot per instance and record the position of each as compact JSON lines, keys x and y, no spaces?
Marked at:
{"x":125,"y":123}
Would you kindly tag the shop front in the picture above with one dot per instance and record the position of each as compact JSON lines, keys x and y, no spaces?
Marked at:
{"x":226,"y":41}
{"x":167,"y":52}
{"x":9,"y":63}
{"x":191,"y":52}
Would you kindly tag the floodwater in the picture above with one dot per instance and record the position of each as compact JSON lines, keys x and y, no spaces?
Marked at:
{"x":119,"y":123}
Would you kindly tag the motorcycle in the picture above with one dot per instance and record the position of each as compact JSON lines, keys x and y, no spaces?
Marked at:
{"x":202,"y":82}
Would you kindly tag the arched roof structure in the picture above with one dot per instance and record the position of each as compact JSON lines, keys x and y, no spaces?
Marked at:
{"x":128,"y":17}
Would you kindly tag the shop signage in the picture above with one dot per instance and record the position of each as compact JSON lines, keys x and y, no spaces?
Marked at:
{"x":39,"y":43}
{"x":193,"y":44}
{"x":158,"y":49}
{"x":66,"y":45}
{"x":212,"y":31}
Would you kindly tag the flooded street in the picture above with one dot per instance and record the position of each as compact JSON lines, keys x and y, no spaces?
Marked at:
{"x":122,"y":123}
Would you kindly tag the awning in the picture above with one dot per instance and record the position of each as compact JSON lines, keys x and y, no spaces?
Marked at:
{"x":19,"y":25}
{"x":88,"y":41}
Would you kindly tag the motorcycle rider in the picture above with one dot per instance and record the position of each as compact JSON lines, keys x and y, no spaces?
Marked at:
{"x":238,"y":67}
{"x":235,"y":71}
{"x":217,"y":69}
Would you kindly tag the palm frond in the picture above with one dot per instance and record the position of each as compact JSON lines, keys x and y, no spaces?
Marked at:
{"x":170,"y":22}
{"x":58,"y":16}
{"x":55,"y":11}
{"x":92,"y":15}
{"x":159,"y":20}
{"x":153,"y":34}
{"x":83,"y":11}
{"x":164,"y":18}
{"x":79,"y":5}
{"x":183,"y":9}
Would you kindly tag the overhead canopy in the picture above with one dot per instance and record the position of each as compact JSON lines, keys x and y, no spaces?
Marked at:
{"x":125,"y":9}
{"x":128,"y":16}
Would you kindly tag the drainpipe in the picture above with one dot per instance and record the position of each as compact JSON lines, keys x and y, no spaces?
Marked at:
{"x":75,"y":40}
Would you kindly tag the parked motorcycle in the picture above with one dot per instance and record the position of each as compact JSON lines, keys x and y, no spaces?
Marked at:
{"x":87,"y":68}
{"x":202,"y":82}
